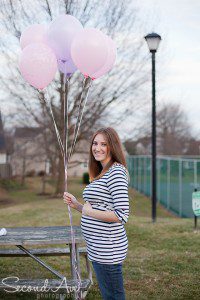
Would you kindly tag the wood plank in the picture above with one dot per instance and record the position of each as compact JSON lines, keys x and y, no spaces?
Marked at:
{"x":41,"y":252}
{"x":40,"y":235}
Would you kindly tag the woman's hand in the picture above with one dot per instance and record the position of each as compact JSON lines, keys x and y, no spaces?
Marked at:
{"x":87,"y":209}
{"x":70,"y":200}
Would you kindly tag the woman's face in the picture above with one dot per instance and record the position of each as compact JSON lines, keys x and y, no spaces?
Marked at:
{"x":100,"y":149}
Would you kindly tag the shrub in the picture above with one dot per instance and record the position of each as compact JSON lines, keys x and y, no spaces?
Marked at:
{"x":10,"y":184}
{"x":30,"y":173}
{"x":41,"y":173}
{"x":85,"y":178}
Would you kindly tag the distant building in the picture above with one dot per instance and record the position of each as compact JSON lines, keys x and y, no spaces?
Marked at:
{"x":142,"y":146}
{"x":3,"y":151}
{"x":5,"y":168}
{"x":29,"y":154}
{"x":28,"y":151}
{"x":79,"y":160}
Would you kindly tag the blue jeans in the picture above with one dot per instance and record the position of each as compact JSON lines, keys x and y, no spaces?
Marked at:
{"x":110,"y":280}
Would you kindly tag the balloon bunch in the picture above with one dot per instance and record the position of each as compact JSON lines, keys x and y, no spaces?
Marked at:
{"x":64,"y":45}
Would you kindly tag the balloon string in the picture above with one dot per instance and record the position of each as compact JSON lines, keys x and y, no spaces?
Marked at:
{"x":74,"y":259}
{"x":67,"y":120}
{"x":79,"y":120}
{"x":66,"y":159}
{"x":65,"y":142}
{"x":78,"y":117}
{"x":54,"y":122}
{"x":64,"y":152}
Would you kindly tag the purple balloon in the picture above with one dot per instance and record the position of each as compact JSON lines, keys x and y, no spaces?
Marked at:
{"x":60,"y":35}
{"x":66,"y":67}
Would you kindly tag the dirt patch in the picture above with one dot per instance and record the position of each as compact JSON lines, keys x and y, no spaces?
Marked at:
{"x":6,"y":201}
{"x":3,"y":192}
{"x":4,"y":198}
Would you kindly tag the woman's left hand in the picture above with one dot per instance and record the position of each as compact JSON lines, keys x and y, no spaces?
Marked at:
{"x":87,"y":208}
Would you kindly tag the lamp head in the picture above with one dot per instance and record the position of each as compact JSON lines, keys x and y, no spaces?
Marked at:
{"x":153,"y":40}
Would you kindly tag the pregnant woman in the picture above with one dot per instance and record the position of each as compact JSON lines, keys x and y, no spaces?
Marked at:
{"x":105,"y":212}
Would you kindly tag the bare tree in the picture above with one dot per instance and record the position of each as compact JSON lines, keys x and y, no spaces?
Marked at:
{"x":193,"y":147}
{"x":26,"y":151}
{"x":117,"y":89}
{"x":173,"y":130}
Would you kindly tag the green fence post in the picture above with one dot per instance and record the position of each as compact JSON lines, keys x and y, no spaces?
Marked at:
{"x":168,"y":183}
{"x":158,"y":164}
{"x":180,"y":187}
{"x":145,"y":177}
{"x":195,"y":173}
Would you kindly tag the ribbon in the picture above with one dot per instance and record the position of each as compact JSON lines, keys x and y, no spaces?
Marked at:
{"x":66,"y":157}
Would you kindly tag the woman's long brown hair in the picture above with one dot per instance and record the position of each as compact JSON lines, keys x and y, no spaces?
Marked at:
{"x":114,"y":147}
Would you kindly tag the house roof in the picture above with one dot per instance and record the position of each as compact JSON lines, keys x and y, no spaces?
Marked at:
{"x":27,"y":132}
{"x":2,"y":137}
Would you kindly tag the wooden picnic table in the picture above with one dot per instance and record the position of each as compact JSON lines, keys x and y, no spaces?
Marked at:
{"x":24,"y":238}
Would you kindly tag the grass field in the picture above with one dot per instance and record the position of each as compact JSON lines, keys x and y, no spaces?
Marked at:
{"x":163,"y":258}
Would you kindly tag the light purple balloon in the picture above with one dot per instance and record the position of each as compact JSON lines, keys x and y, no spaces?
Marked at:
{"x":89,"y":50}
{"x":67,"y":67}
{"x":33,"y":34}
{"x":60,"y":34}
{"x":38,"y":65}
{"x":111,"y":57}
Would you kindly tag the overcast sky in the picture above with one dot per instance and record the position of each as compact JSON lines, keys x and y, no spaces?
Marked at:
{"x":178,"y":23}
{"x":178,"y":58}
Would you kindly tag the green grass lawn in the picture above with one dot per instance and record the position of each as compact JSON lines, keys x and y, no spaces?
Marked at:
{"x":163,"y":258}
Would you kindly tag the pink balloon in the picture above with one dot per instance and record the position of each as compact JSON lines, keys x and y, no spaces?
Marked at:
{"x":38,"y":65}
{"x":111,"y":57}
{"x":60,"y":34}
{"x":33,"y":34}
{"x":89,"y":50}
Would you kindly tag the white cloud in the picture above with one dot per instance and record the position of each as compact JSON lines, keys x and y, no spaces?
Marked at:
{"x":184,"y":72}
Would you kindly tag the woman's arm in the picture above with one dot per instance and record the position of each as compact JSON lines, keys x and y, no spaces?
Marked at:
{"x":106,"y":216}
{"x":118,"y":187}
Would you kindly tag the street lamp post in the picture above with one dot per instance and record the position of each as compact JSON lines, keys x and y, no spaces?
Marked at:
{"x":153,"y":41}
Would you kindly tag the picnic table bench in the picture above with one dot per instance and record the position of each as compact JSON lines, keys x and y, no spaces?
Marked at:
{"x":24,"y":238}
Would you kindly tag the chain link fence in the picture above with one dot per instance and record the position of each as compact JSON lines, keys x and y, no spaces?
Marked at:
{"x":176,"y":180}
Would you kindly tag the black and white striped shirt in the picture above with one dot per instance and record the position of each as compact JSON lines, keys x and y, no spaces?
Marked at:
{"x":107,"y":241}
